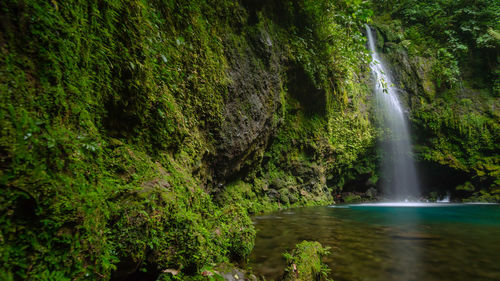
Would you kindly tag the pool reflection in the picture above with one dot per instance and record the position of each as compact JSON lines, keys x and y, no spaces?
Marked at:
{"x":387,"y":243}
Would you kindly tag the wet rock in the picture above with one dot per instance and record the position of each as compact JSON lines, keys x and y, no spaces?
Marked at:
{"x":273,"y":194}
{"x":252,"y":102}
{"x":371,"y":192}
{"x":304,"y":264}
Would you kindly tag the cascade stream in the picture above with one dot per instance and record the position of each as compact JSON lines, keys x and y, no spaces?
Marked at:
{"x":398,"y":168}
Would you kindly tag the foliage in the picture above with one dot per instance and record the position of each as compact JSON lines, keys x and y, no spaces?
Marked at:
{"x":452,"y":32}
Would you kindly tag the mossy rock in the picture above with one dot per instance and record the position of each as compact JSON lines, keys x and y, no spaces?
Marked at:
{"x":304,"y":264}
{"x":351,"y":198}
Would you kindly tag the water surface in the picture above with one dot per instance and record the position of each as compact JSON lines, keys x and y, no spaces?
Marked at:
{"x":387,"y":242}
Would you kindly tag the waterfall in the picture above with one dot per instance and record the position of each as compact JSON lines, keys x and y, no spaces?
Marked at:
{"x":398,"y":168}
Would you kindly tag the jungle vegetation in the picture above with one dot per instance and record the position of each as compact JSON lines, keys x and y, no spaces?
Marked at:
{"x":137,"y":137}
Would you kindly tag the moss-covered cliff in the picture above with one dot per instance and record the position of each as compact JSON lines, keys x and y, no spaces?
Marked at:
{"x":136,"y":136}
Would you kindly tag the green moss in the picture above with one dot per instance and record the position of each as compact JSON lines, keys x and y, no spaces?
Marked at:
{"x":484,"y":196}
{"x":111,"y":119}
{"x":352,"y":198}
{"x":304,"y":263}
{"x":93,"y":108}
{"x":467,"y":186}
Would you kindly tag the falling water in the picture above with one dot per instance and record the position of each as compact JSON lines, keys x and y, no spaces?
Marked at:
{"x":398,"y":169}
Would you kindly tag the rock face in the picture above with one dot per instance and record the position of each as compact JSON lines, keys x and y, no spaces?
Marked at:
{"x":253,"y":99}
{"x":413,"y":74}
{"x":282,"y":124}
